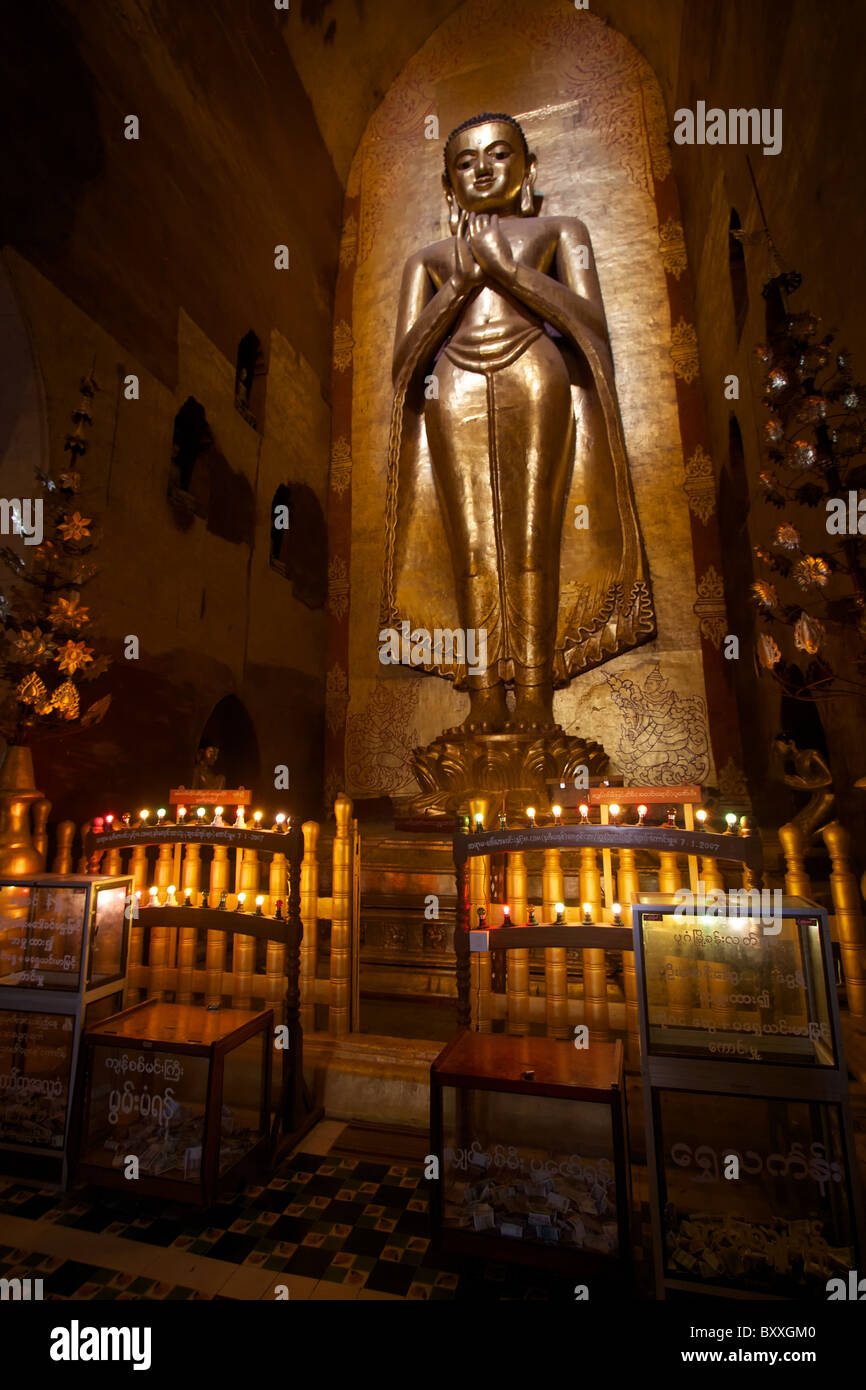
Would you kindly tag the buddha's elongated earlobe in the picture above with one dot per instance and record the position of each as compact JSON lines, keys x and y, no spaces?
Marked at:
{"x":527,"y":204}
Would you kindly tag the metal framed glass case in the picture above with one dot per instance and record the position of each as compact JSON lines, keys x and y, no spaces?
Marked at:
{"x":63,"y":952}
{"x":530,"y":1136}
{"x":176,"y":1098}
{"x":753,"y":1174}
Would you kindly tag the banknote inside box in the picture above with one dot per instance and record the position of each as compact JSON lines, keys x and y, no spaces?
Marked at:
{"x":151,"y":1105}
{"x":35,"y":1063}
{"x":737,"y":989}
{"x":754,"y":1192}
{"x":535,"y":1169}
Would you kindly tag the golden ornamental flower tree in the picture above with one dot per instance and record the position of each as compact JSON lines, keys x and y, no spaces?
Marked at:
{"x":814,"y":443}
{"x":46,"y":632}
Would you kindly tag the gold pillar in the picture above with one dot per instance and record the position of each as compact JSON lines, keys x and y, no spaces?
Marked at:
{"x":215,"y":947}
{"x":341,"y":919}
{"x":190,"y":877}
{"x":310,"y":919}
{"x":555,"y":957}
{"x":596,"y":1014}
{"x":517,"y":981}
{"x":849,"y":916}
{"x":63,"y":857}
{"x":244,"y":947}
{"x":711,"y":875}
{"x":628,"y":886}
{"x":794,"y":841}
{"x":670,"y":878}
{"x":162,"y":939}
{"x":275,"y":953}
{"x":480,"y":962}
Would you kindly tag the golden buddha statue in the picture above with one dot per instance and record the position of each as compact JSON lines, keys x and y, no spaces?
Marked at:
{"x":504,"y":393}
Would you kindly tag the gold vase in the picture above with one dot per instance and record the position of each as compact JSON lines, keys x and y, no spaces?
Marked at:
{"x":18,"y":795}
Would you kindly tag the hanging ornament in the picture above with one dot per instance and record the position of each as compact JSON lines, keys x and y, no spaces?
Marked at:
{"x":802,"y":454}
{"x":852,"y":400}
{"x":32,"y":690}
{"x":765,"y":594}
{"x":774,"y":430}
{"x":31,"y":646}
{"x":69,"y":613}
{"x":778,"y":382}
{"x":812,"y":572}
{"x":70,"y":480}
{"x":72,"y":656}
{"x":812,"y":409}
{"x":809,"y":633}
{"x":764,"y":354}
{"x":65,"y":701}
{"x":75,"y":528}
{"x":768,"y":651}
{"x":788,"y":537}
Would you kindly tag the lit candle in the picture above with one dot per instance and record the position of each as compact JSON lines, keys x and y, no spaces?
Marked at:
{"x":218,"y":815}
{"x":672,"y":815}
{"x":584,"y":812}
{"x":280,"y":820}
{"x":259,"y":901}
{"x":530,"y":814}
{"x":240,"y":823}
{"x":187,"y":897}
{"x":587,"y":912}
{"x":142,"y":816}
{"x":137,"y":901}
{"x":109,"y":821}
{"x":616,"y":910}
{"x":181,"y":815}
{"x":242,"y":897}
{"x":641,"y":814}
{"x":613,"y":810}
{"x":126,"y":817}
{"x":153,"y":892}
{"x":557,"y":814}
{"x":200,"y":815}
{"x":506,"y":915}
{"x":479,"y":820}
{"x":160,"y":815}
{"x":257,"y":817}
{"x":559,"y":908}
{"x":171,"y":901}
{"x":744,"y":826}
{"x":503,"y":823}
{"x":701,"y":818}
{"x":730,"y":820}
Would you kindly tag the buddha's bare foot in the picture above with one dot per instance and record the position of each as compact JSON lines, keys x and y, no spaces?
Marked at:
{"x":488,"y":713}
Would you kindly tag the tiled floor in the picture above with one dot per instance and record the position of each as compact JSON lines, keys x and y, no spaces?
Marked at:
{"x":323,"y":1228}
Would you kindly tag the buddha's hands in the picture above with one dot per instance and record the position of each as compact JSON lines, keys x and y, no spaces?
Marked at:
{"x":466,"y":270}
{"x":490,"y":246}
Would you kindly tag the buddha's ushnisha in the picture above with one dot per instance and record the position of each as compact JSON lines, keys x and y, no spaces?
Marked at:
{"x":504,"y":380}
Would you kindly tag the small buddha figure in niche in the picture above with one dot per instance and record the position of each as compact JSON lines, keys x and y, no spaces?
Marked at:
{"x":205,"y":777}
{"x":505,"y":394}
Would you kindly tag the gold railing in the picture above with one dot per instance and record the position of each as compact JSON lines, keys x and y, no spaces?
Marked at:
{"x":241,"y":873}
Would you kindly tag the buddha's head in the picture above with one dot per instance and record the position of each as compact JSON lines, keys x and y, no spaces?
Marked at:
{"x":488,"y":168}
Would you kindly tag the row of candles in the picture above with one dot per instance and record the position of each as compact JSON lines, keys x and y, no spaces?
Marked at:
{"x":614,"y":812}
{"x":559,"y":909}
{"x":282,"y":822}
{"x":171,"y":900}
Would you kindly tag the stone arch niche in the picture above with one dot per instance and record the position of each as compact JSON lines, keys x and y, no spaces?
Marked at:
{"x":593,"y":113}
{"x":231,"y":729}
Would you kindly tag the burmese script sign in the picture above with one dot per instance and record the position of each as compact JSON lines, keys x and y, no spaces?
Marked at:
{"x":35,"y":1063}
{"x":41,"y":937}
{"x":724,"y":988}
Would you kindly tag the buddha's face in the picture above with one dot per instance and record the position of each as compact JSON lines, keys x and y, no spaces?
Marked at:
{"x":487,"y":166}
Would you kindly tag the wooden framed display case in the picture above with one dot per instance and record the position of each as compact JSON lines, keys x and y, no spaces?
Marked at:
{"x":63,"y":949}
{"x":530,"y":1137}
{"x":183,"y":1091}
{"x":754,"y":1182}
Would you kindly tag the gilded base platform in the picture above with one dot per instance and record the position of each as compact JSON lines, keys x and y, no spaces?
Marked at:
{"x":514,"y":768}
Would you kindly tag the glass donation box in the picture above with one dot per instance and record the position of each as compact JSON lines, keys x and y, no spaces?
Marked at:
{"x":176,"y":1099}
{"x":530,"y":1138}
{"x":63,"y":949}
{"x":754,"y":1182}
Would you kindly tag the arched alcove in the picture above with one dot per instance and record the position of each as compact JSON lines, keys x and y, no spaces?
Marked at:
{"x":230,"y":728}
